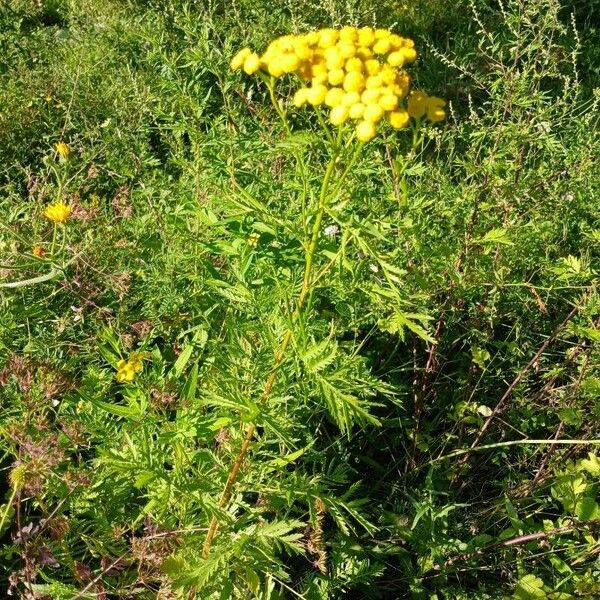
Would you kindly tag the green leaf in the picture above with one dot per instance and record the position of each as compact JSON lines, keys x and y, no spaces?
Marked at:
{"x":530,"y":587}
{"x":496,"y":236}
{"x":189,"y":389}
{"x":182,"y":360}
{"x":591,"y":464}
{"x":480,"y":356}
{"x":400,"y":321}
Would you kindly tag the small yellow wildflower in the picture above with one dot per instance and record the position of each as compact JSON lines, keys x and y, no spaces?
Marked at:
{"x":399,"y":119}
{"x":128,"y":369}
{"x":435,"y":109}
{"x":251,"y":64}
{"x":365,"y":131}
{"x":237,"y":62}
{"x":59,"y":212}
{"x":339,"y":115}
{"x":63,"y":150}
{"x":38,"y":251}
{"x":253,"y":239}
{"x":417,"y":104}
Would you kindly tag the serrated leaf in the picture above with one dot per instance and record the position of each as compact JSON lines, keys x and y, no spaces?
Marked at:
{"x":498,"y":235}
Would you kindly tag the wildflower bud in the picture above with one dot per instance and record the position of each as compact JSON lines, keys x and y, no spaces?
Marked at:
{"x":17,"y":476}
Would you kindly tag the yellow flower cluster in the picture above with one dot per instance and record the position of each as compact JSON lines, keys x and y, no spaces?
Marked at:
{"x":356,"y":72}
{"x":59,"y":212}
{"x":128,"y":369}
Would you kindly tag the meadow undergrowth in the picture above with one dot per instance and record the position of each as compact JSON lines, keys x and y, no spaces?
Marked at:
{"x":248,"y":350}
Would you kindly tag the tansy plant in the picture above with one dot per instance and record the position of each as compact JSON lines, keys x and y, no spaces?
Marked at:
{"x":359,"y":76}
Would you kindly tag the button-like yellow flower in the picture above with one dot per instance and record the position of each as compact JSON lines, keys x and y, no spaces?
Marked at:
{"x":39,"y":251}
{"x":417,"y":104}
{"x":399,"y":119}
{"x":365,"y":131}
{"x":317,"y":94}
{"x":237,"y":62}
{"x":252,"y":64}
{"x":63,"y":150}
{"x":334,"y":97}
{"x":338,"y":115}
{"x":59,"y":212}
{"x":373,"y":113}
{"x":396,"y":58}
{"x":354,"y":82}
{"x":357,"y":111}
{"x":336,"y":76}
{"x":300,"y":97}
{"x":435,"y":109}
{"x":253,"y":239}
{"x":357,"y":73}
{"x":388,"y":102}
{"x":366,"y":37}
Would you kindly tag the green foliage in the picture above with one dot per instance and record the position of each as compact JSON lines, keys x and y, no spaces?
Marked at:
{"x":438,"y":277}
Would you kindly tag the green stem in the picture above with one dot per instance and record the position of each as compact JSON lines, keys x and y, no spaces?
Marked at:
{"x":324,"y":127}
{"x":276,"y":106}
{"x":280,"y":354}
{"x":8,"y":507}
{"x":463,"y":451}
{"x":54,"y":232}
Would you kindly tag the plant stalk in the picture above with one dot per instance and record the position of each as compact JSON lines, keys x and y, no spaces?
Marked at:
{"x":304,"y":292}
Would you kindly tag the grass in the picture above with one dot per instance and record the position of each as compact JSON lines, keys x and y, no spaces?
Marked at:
{"x":431,"y":425}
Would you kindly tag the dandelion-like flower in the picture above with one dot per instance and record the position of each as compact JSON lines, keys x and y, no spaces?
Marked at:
{"x":128,"y":369}
{"x":63,"y":150}
{"x":39,"y":251}
{"x":59,"y":212}
{"x":358,"y":73}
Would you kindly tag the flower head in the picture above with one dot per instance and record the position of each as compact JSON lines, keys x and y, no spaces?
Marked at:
{"x":39,"y":251}
{"x":128,"y":369}
{"x":63,"y":150}
{"x":359,"y":74}
{"x":59,"y":212}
